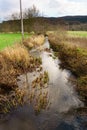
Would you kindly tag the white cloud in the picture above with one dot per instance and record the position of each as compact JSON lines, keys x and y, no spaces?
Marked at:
{"x":67,"y":7}
{"x":47,"y":7}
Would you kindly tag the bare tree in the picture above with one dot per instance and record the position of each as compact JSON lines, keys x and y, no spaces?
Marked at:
{"x":31,"y":12}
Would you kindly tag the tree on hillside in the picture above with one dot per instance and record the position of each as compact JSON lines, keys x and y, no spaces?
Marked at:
{"x":31,"y":12}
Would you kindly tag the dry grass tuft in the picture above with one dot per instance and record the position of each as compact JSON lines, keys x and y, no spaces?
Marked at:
{"x":34,"y":41}
{"x":13,"y":61}
{"x":77,"y":41}
{"x":16,"y":54}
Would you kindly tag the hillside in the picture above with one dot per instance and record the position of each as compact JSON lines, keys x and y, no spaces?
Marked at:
{"x":41,"y":24}
{"x":80,"y":19}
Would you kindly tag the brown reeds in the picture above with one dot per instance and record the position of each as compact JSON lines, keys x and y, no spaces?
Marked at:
{"x":77,"y":41}
{"x":35,"y":40}
{"x":15,"y":61}
{"x":74,"y":58}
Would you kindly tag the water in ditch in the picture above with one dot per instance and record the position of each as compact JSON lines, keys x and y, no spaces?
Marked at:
{"x":62,"y":100}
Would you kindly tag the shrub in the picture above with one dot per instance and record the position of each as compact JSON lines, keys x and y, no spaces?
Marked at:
{"x":33,"y":41}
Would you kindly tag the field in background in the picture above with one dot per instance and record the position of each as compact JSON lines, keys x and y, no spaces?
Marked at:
{"x":7,"y":39}
{"x":82,"y":34}
{"x":75,"y":37}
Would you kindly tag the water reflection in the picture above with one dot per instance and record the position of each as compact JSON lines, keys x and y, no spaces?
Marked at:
{"x":62,"y":94}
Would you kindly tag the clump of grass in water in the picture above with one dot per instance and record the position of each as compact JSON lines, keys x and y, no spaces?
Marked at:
{"x":41,"y":81}
{"x":41,"y":103}
{"x":40,"y":98}
{"x":8,"y":102}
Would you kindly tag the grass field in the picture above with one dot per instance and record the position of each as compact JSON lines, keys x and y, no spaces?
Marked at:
{"x":77,"y":38}
{"x":7,"y":39}
{"x":82,"y":34}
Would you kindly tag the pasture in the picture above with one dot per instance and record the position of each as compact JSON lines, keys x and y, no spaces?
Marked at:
{"x":77,"y":38}
{"x":82,"y":34}
{"x":8,"y":39}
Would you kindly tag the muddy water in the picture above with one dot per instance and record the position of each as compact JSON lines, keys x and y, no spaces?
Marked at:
{"x":62,"y":99}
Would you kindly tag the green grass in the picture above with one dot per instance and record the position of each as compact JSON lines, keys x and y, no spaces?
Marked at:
{"x":7,"y":39}
{"x":82,"y":34}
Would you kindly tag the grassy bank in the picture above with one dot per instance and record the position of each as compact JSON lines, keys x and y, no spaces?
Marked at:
{"x":9,"y":39}
{"x":74,"y":58}
{"x":14,"y":61}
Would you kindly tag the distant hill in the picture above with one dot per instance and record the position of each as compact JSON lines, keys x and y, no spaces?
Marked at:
{"x":80,"y":19}
{"x":42,"y":24}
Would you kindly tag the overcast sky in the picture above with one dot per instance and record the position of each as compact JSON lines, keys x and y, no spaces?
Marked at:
{"x":51,"y":8}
